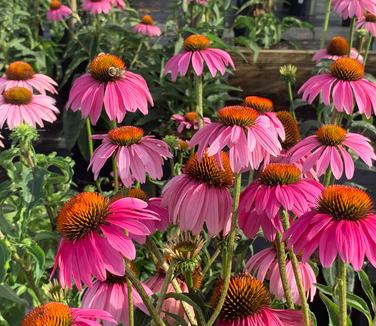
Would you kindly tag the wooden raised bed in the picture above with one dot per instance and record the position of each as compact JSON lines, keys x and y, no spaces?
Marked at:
{"x":262,"y":77}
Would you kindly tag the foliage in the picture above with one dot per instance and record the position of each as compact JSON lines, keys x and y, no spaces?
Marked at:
{"x":265,"y":30}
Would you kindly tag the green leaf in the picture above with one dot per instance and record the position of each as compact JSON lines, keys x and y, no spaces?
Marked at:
{"x":333,"y":311}
{"x":185,"y":298}
{"x":359,"y":304}
{"x":39,"y":257}
{"x":7,"y":293}
{"x":72,"y":126}
{"x":367,"y":288}
{"x":4,"y":259}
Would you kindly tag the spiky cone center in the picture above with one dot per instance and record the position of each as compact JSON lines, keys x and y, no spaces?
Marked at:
{"x":17,"y":95}
{"x":245,"y":297}
{"x":331,"y":135}
{"x":260,"y":104}
{"x":125,"y":136}
{"x":52,"y":313}
{"x":191,"y":117}
{"x":345,"y":203}
{"x":106,"y":68}
{"x":196,"y":42}
{"x":81,"y":215}
{"x":237,"y":116}
{"x":185,"y":247}
{"x":55,"y":4}
{"x":280,"y":174}
{"x":291,"y":128}
{"x":209,"y":171}
{"x":370,"y":18}
{"x":338,"y":46}
{"x":147,"y":20}
{"x":347,"y":69}
{"x":137,"y":193}
{"x":19,"y":70}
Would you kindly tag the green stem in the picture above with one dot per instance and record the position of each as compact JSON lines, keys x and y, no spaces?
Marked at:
{"x":114,"y":165}
{"x":326,"y":23}
{"x":29,"y":275}
{"x":250,"y":176}
{"x":199,"y":100}
{"x":327,"y":177}
{"x":352,"y":29}
{"x":130,"y":299}
{"x":211,"y":261}
{"x":137,"y":53}
{"x":281,"y":255}
{"x":291,"y":99}
{"x":229,"y":251}
{"x":297,"y":273}
{"x":369,"y":43}
{"x":342,"y":294}
{"x":166,"y":282}
{"x":89,"y":139}
{"x":144,"y":296}
{"x":91,"y":147}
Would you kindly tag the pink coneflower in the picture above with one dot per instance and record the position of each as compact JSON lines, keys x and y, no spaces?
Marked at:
{"x":96,"y":7}
{"x":197,"y":51}
{"x":247,"y":303}
{"x":353,"y":8}
{"x":20,"y":73}
{"x":368,"y":22}
{"x":328,"y":148}
{"x":338,"y":47}
{"x":339,"y":87}
{"x":154,"y":205}
{"x":264,"y":265}
{"x":146,"y":27}
{"x":111,"y":295}
{"x":343,"y":223}
{"x":136,"y":155}
{"x":1,"y":141}
{"x":118,"y":4}
{"x":58,"y":11}
{"x":246,"y":133}
{"x":93,"y":236}
{"x":108,"y":83}
{"x":201,"y":195}
{"x":57,"y":313}
{"x":169,"y":305}
{"x":279,"y":186}
{"x":188,"y":121}
{"x":18,"y":105}
{"x":264,"y":106}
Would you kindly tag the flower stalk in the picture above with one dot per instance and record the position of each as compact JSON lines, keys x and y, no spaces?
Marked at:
{"x":368,"y":48}
{"x":144,"y":296}
{"x":228,"y":252}
{"x":199,"y":89}
{"x":281,"y":256}
{"x":130,"y":299}
{"x":114,"y":165}
{"x":342,"y":294}
{"x":351,"y":38}
{"x":326,"y":23}
{"x":297,"y":274}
